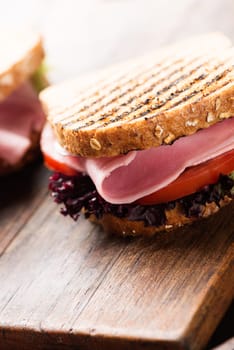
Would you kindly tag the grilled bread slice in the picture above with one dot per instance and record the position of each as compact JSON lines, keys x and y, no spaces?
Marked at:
{"x":145,"y":102}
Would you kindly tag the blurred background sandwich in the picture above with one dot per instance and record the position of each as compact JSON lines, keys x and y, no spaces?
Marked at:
{"x":21,"y":115}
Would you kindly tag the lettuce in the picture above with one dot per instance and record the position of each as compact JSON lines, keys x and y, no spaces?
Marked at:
{"x":79,"y":192}
{"x":38,"y":79}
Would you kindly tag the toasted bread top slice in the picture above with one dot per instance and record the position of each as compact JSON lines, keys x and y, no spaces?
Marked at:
{"x":146,"y":102}
{"x":21,"y":54}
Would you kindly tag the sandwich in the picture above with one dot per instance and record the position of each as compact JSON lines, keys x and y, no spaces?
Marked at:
{"x":147,"y":145}
{"x":21,"y":114}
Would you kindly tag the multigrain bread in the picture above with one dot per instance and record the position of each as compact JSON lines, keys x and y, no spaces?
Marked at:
{"x":174,"y":218}
{"x":145,"y":102}
{"x":21,"y":58}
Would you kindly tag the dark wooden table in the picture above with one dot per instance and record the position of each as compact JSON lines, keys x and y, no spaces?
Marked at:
{"x":65,"y":285}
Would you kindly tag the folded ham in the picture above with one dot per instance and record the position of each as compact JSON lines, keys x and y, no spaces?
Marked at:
{"x":21,"y":114}
{"x":126,"y":178}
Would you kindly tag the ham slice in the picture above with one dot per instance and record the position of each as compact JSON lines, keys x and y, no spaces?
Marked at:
{"x":20,"y":115}
{"x":124,"y":179}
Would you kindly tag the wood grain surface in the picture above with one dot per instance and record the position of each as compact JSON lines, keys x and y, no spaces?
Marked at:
{"x":66,"y":285}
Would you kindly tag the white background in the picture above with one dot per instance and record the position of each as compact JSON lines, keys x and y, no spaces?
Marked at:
{"x":82,"y":35}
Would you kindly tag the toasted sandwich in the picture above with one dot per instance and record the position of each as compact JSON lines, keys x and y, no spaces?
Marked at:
{"x":21,"y":114}
{"x":147,"y":145}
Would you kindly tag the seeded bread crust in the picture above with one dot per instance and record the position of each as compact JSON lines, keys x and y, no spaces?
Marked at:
{"x":26,"y":54}
{"x":175,"y":218}
{"x":112,"y":119}
{"x":164,"y":129}
{"x":31,"y":154}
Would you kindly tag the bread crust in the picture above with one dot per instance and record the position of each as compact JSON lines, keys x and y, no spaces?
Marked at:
{"x":140,"y":135}
{"x":174,"y":218}
{"x":26,"y":62}
{"x":137,"y":113}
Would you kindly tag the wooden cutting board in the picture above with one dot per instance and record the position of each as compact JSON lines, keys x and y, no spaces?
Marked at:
{"x":66,"y":285}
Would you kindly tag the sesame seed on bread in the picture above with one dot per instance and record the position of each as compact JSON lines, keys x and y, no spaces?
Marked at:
{"x":146,"y":102}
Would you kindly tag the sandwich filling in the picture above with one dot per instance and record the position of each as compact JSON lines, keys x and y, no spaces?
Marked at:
{"x":21,"y":115}
{"x":78,"y":193}
{"x":207,"y":184}
{"x":128,"y":178}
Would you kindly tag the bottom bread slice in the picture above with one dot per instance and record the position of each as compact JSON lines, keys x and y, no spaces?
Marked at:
{"x":174,"y":218}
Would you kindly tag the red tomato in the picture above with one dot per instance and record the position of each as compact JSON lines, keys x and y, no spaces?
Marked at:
{"x":192,"y":180}
{"x":57,"y":166}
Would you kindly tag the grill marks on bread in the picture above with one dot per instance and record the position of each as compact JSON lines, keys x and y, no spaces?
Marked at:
{"x":109,"y":91}
{"x":162,"y":90}
{"x":173,"y":91}
{"x":112,"y":101}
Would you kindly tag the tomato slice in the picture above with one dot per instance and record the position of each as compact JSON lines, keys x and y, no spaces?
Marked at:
{"x":192,"y":180}
{"x":55,"y":165}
